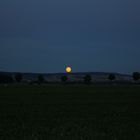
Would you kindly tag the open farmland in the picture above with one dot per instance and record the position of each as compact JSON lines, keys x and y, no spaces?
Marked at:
{"x":70,"y":112}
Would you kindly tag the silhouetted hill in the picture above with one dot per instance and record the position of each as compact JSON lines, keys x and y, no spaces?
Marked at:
{"x":78,"y":76}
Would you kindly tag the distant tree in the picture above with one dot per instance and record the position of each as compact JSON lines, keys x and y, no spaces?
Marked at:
{"x":87,"y":79}
{"x":18,"y":77}
{"x":111,"y":77}
{"x":136,"y":76}
{"x":64,"y":78}
{"x":4,"y":78}
{"x":41,"y":78}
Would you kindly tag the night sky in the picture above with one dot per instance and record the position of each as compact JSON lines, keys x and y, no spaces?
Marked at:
{"x":88,"y":35}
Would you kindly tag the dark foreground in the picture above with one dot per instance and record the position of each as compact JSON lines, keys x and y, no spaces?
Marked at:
{"x":70,"y":113}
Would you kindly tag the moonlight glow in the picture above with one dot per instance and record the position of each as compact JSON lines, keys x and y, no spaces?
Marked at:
{"x":68,"y":69}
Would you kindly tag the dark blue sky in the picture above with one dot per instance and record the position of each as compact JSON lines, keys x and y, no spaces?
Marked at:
{"x":89,"y":35}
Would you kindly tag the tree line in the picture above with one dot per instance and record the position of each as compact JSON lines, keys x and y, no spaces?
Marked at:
{"x":18,"y":78}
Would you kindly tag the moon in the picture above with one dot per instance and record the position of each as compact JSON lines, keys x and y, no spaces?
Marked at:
{"x":68,"y":69}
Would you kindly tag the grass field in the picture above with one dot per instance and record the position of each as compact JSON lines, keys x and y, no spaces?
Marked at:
{"x":69,"y":112}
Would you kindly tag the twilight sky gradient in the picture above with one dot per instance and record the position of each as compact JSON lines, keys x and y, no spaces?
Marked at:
{"x":89,"y":35}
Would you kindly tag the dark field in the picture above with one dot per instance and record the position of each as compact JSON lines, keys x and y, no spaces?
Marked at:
{"x":70,"y":112}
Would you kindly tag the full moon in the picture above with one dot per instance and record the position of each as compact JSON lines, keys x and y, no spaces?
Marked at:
{"x":68,"y":69}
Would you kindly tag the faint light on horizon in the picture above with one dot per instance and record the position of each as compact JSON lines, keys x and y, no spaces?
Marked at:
{"x":68,"y":69}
